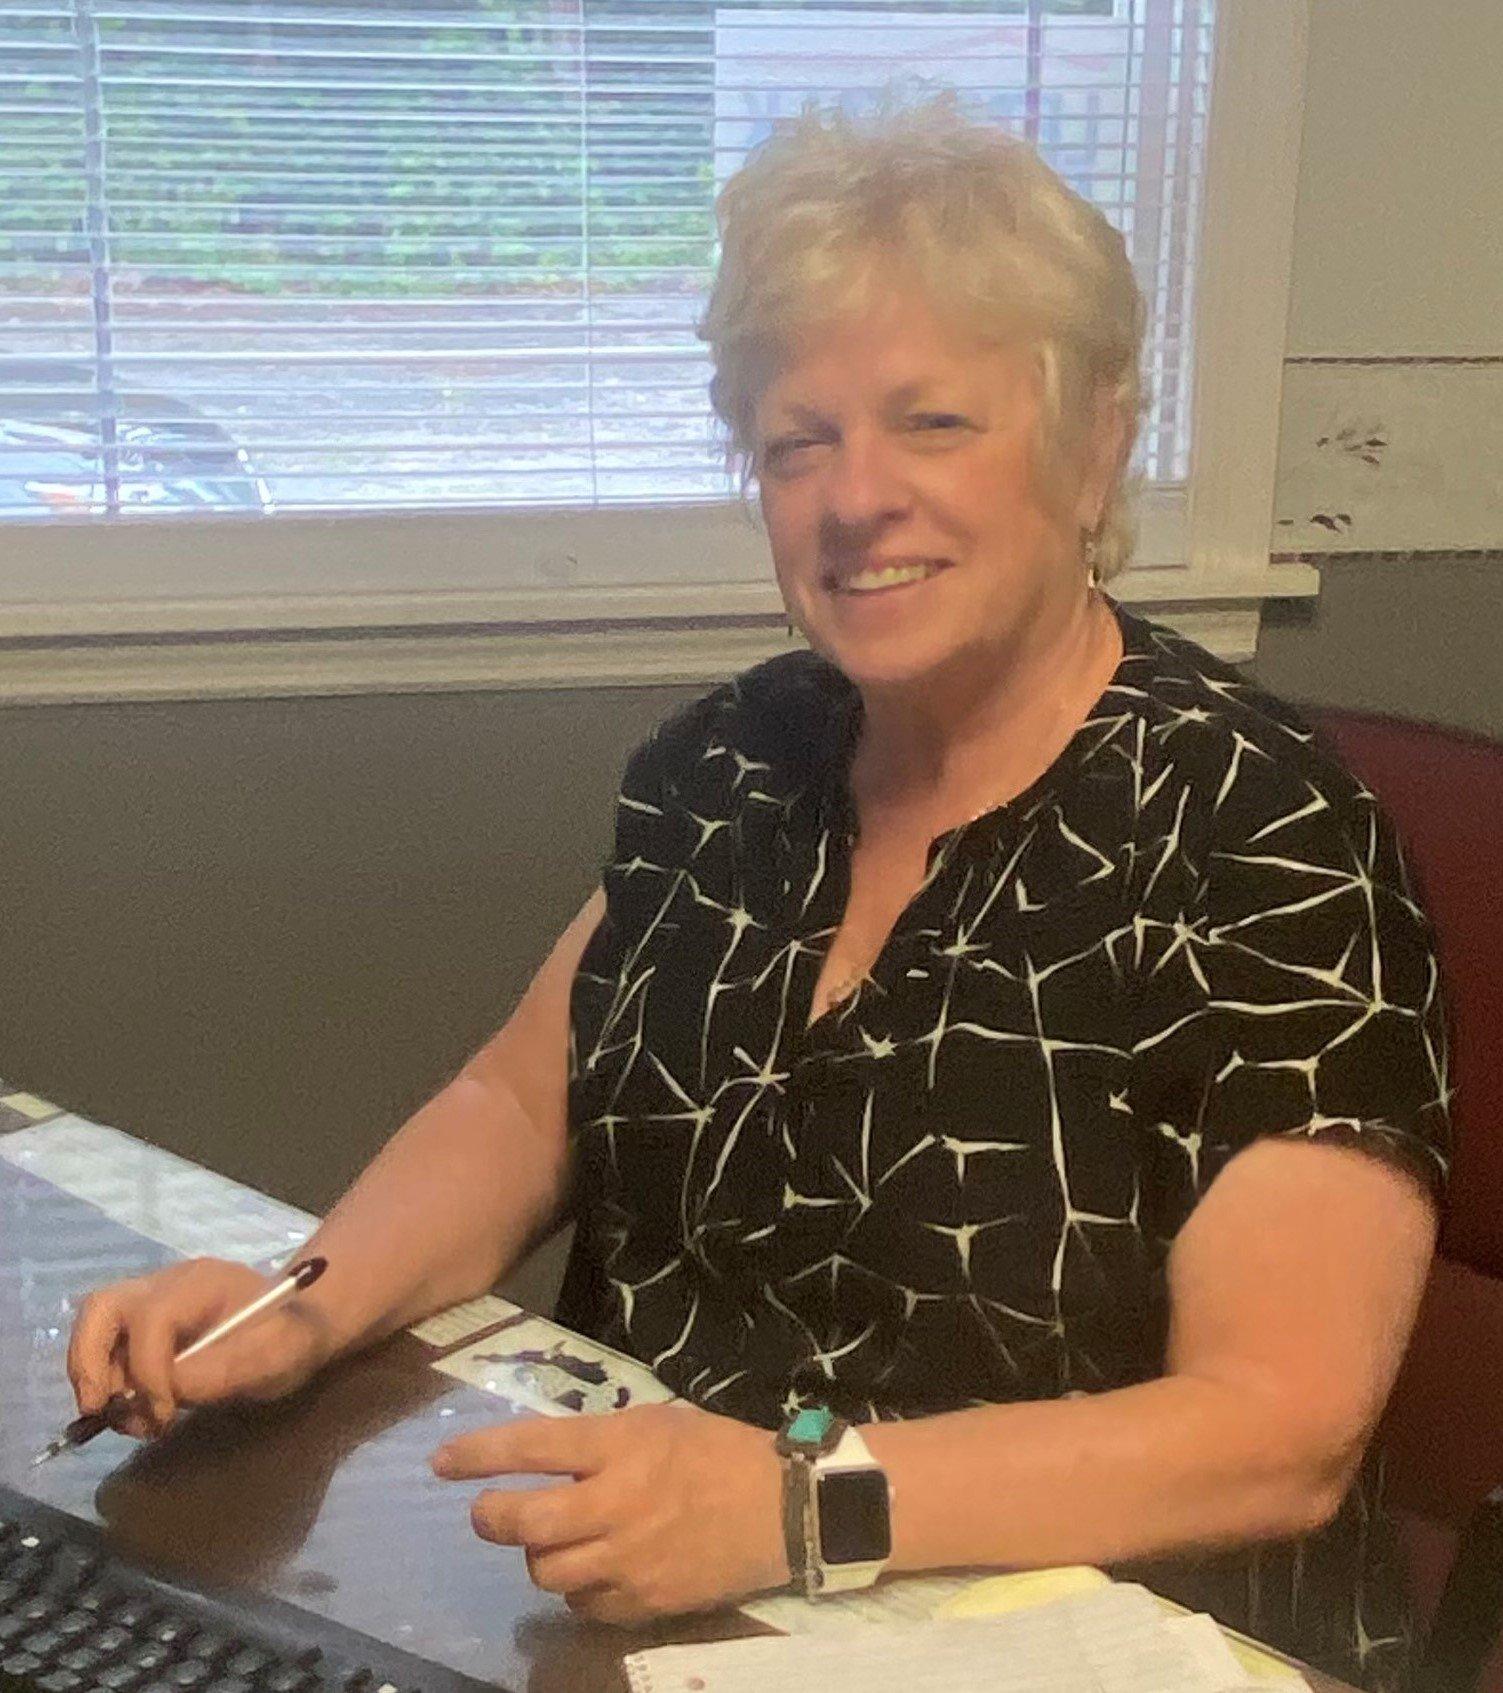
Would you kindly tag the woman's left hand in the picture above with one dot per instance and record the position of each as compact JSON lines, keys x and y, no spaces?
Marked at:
{"x":670,"y":1508}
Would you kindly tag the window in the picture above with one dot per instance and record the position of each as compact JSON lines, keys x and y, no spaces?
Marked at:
{"x":433,"y":269}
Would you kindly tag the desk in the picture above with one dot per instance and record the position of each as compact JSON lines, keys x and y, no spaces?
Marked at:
{"x":329,"y":1497}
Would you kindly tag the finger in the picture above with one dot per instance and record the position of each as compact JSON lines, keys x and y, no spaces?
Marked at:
{"x":120,"y":1385}
{"x":540,"y":1517}
{"x":572,"y":1569}
{"x":577,"y":1446}
{"x":116,"y":1381}
{"x":250,"y":1364}
{"x":265,"y":1360}
{"x":91,"y":1348}
{"x":138,"y":1424}
{"x":150,"y":1341}
{"x":212,"y":1375}
{"x":192,"y":1297}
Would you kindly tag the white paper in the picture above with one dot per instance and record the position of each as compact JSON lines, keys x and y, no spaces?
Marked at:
{"x":459,"y":1322}
{"x":901,"y":1599}
{"x":1207,"y":1647}
{"x":1115,"y":1640}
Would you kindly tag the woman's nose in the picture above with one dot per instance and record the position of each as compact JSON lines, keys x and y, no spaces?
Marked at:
{"x":862,"y":482}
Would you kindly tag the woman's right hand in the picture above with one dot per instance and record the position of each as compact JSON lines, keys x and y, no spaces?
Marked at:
{"x":126,"y":1336}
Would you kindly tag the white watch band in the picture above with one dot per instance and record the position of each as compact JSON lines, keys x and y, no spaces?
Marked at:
{"x":851,"y":1453}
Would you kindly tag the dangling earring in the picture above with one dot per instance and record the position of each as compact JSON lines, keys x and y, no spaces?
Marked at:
{"x":1090,"y":555}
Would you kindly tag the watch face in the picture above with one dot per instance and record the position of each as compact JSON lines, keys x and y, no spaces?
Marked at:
{"x":854,"y":1525}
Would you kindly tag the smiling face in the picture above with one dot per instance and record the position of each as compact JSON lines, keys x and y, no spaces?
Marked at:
{"x":896,"y":461}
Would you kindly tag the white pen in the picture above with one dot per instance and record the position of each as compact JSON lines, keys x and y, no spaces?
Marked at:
{"x":84,"y":1428}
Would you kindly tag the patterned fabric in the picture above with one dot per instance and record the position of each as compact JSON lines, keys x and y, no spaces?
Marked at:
{"x":960,"y":1186}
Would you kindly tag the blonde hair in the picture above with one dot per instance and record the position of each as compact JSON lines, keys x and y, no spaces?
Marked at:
{"x":833,"y":203}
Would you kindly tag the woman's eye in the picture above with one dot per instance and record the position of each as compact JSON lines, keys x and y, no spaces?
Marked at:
{"x":936,"y":420}
{"x":786,"y":448}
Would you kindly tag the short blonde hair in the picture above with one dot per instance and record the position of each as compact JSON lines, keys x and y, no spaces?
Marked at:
{"x":832,"y":203}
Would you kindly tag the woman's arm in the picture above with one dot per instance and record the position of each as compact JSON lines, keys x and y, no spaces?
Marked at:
{"x":1293,"y":1288}
{"x":470,"y":1181}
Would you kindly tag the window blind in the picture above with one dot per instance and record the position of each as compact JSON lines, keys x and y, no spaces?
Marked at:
{"x":302,"y":255}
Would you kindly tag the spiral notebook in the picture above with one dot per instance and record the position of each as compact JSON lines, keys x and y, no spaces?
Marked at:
{"x":1117,"y":1639}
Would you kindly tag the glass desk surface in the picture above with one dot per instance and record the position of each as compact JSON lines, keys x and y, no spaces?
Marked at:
{"x":325,"y":1500}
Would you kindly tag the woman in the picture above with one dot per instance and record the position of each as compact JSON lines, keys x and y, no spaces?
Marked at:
{"x":1000,"y":1027}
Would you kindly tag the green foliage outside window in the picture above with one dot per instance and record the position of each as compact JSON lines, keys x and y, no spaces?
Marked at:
{"x":256,"y":203}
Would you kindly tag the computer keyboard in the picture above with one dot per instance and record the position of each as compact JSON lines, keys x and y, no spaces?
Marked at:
{"x":77,"y":1618}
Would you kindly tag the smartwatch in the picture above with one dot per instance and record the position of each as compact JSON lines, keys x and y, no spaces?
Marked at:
{"x":837,"y":1506}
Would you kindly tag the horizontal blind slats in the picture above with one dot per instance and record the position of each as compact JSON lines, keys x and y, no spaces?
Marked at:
{"x":427,"y":250}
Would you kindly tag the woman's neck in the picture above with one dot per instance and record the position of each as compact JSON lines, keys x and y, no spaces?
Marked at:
{"x":961,"y":744}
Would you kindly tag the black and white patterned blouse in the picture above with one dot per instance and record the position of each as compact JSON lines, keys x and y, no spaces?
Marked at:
{"x":960,"y":1186}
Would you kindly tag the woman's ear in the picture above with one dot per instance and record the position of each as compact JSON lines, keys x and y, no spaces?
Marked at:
{"x":1103,"y":459}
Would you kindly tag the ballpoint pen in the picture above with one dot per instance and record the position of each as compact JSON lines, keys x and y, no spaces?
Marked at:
{"x":84,"y":1428}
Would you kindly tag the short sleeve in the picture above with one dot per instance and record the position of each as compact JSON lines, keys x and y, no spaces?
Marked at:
{"x":641,"y":805}
{"x":650,"y":844}
{"x":653,"y":834}
{"x":1298,"y":997}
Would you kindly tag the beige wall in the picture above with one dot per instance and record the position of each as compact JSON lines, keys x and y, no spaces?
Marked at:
{"x":1398,"y":243}
{"x":261,"y":931}
{"x":1398,"y":253}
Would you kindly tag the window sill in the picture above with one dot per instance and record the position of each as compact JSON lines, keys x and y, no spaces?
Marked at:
{"x":640,"y":643}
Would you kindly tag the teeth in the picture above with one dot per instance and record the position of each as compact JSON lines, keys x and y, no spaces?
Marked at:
{"x":889,"y":576}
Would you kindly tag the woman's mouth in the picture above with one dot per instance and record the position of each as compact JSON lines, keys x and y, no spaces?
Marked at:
{"x":876,"y":578}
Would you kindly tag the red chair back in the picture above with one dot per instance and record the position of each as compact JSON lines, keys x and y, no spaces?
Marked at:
{"x":1444,"y":1428}
{"x":1444,"y":791}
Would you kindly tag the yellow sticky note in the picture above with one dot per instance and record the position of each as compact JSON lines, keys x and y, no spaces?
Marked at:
{"x":996,"y":1594}
{"x":1260,"y":1663}
{"x":29,"y":1105}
